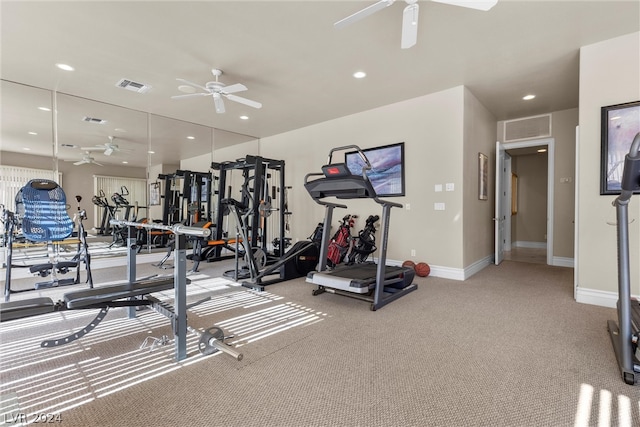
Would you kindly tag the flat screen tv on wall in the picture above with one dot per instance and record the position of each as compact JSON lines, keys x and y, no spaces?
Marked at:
{"x":387,"y":168}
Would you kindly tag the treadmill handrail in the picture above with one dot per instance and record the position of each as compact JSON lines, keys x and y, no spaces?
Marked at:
{"x":367,"y":164}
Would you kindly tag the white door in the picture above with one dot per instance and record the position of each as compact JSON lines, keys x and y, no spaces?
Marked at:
{"x":499,"y":218}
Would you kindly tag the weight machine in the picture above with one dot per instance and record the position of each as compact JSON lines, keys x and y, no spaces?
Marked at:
{"x":625,"y":334}
{"x":186,"y":200}
{"x":186,"y":197}
{"x":258,"y":194}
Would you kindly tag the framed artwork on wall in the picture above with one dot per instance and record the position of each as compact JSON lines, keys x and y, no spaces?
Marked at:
{"x":483,"y":176}
{"x":619,"y":125}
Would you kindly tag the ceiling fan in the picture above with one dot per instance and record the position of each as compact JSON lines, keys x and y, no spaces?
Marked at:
{"x":108,"y":148}
{"x":86,"y":159}
{"x":410,"y":15}
{"x":217,"y":90}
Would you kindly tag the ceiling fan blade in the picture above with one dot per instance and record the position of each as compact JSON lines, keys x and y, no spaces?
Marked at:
{"x":193,"y":84}
{"x":238,"y":87}
{"x":409,"y":26}
{"x":217,"y":100}
{"x":244,"y":101}
{"x":369,"y":10}
{"x":96,"y":163}
{"x":484,"y":5}
{"x":81,"y":162}
{"x":190,"y":95}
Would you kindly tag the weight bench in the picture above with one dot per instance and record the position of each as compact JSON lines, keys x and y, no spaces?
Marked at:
{"x":27,"y":308}
{"x":109,"y":295}
{"x":104,"y":296}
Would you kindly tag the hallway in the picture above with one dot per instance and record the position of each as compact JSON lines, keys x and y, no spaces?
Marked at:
{"x":531,"y":255}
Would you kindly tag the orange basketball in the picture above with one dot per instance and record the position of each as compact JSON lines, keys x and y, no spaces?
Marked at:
{"x":422,"y":269}
{"x":409,"y":263}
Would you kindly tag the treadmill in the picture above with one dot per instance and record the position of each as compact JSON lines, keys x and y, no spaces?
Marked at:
{"x":378,"y":283}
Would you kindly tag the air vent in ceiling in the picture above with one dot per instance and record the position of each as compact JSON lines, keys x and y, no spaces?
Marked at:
{"x":133,"y":86}
{"x":94,"y":120}
{"x":527,"y":128}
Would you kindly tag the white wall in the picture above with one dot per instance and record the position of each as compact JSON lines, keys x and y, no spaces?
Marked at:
{"x":432,"y":129}
{"x":609,"y":75}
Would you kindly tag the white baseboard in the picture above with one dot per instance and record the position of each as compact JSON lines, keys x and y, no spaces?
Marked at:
{"x":563,"y":262}
{"x":477,"y":266}
{"x":454,"y":273}
{"x":601,"y":298}
{"x":596,"y":297}
{"x":533,"y":245}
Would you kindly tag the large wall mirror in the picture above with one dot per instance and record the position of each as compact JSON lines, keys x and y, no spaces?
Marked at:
{"x":82,"y":139}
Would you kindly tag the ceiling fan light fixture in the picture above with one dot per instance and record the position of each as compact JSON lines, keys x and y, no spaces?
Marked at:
{"x":187,"y":89}
{"x":483,"y":5}
{"x":359,"y":74}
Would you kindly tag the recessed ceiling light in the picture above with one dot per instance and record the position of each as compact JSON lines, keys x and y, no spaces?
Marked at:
{"x":65,"y":67}
{"x":528,"y":97}
{"x":125,"y":162}
{"x":191,"y":137}
{"x":359,"y":74}
{"x":33,"y":133}
{"x":151,"y":152}
{"x":44,"y":108}
{"x":244,"y":117}
{"x":26,"y":148}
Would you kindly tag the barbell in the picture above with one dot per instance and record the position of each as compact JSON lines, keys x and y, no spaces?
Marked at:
{"x":212,"y":341}
{"x":175,"y":229}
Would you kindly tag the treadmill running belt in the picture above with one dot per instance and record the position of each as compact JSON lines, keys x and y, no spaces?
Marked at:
{"x":363,"y":272}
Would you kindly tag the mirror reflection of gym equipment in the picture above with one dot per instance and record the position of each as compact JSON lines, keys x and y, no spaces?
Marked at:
{"x":42,"y":218}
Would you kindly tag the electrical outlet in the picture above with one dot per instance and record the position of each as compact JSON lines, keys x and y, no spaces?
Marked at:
{"x":438,"y":206}
{"x":408,"y":206}
{"x":413,"y":252}
{"x":449,"y":186}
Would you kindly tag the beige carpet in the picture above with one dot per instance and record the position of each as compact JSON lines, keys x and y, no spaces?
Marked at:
{"x":508,"y":347}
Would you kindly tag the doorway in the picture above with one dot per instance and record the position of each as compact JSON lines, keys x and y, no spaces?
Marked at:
{"x":507,"y":204}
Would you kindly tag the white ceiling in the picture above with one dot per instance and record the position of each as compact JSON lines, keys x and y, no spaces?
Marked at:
{"x":289,"y":56}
